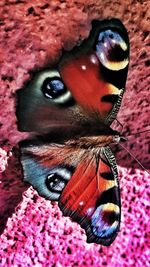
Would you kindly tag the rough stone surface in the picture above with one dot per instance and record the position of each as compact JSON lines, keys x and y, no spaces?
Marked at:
{"x":33,"y":232}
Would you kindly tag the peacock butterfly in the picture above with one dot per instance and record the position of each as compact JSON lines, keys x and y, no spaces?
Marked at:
{"x":70,"y":110}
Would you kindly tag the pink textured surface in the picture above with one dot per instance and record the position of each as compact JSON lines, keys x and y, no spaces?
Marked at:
{"x":33,"y":232}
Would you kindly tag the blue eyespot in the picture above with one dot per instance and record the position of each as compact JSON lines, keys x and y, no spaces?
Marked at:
{"x":111,"y":35}
{"x":112,"y":50}
{"x":53,"y":87}
{"x":55,"y":183}
{"x":58,"y":178}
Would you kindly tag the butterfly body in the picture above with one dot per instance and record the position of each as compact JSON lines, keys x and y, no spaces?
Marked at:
{"x":71,"y":110}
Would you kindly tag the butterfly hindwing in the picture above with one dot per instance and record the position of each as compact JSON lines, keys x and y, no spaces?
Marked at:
{"x":86,"y":188}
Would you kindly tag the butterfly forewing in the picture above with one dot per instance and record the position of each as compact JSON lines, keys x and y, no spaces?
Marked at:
{"x":96,"y":72}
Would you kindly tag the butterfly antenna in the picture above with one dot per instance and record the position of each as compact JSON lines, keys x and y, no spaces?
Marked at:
{"x":134,"y":158}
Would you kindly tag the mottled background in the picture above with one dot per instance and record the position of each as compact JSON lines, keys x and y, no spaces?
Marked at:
{"x":33,"y":231}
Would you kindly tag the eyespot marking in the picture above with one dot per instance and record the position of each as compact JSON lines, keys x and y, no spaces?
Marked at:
{"x":112,"y":50}
{"x":57,"y":179}
{"x":54,"y":89}
{"x":105,"y":220}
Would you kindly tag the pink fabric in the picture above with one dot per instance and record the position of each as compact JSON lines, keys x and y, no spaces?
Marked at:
{"x":33,"y":232}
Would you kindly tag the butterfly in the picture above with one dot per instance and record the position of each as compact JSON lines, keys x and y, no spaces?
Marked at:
{"x":69,"y":110}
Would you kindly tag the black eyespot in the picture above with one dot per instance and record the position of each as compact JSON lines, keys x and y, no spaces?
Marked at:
{"x":111,"y":36}
{"x":53,"y":87}
{"x":102,"y":39}
{"x":55,"y":182}
{"x":58,"y":178}
{"x":111,"y":98}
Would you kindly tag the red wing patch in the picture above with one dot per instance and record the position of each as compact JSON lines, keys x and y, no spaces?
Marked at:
{"x":83,"y":78}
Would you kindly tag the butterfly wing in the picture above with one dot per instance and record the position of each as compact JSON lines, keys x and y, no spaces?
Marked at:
{"x":87,"y":86}
{"x":92,"y":198}
{"x":83,"y":182}
{"x":45,"y":165}
{"x":96,"y":72}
